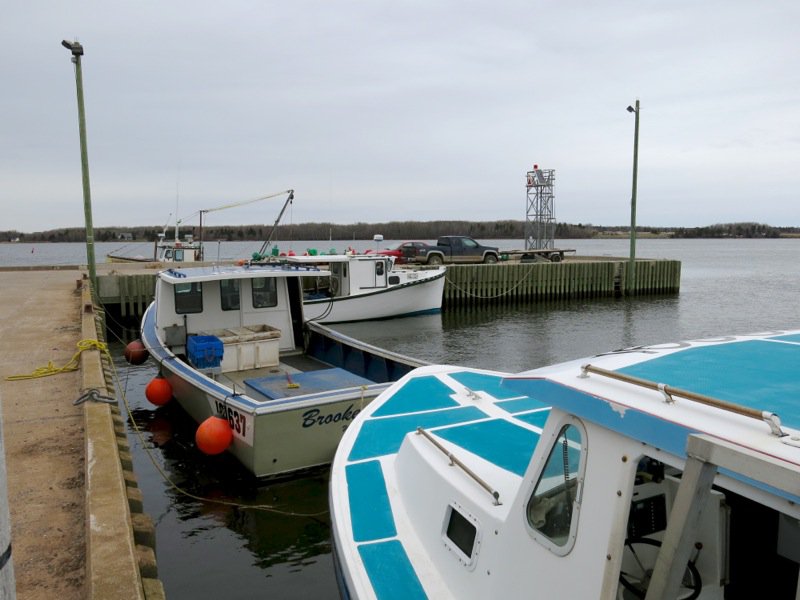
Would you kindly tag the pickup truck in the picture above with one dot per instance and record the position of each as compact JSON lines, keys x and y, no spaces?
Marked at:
{"x":457,"y":249}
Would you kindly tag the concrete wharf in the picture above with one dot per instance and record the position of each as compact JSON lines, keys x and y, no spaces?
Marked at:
{"x":76,"y":520}
{"x":130,"y":286}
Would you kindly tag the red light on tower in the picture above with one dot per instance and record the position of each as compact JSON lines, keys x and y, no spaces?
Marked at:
{"x":535,"y":167}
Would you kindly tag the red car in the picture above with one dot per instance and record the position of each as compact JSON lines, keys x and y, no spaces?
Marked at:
{"x":403,"y":252}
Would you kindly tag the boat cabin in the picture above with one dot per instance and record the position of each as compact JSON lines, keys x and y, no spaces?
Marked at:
{"x":256,"y":313}
{"x":352,"y":275}
{"x":185,"y":251}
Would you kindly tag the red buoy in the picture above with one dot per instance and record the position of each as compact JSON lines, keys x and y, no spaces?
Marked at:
{"x":158,"y":391}
{"x":214,"y":435}
{"x":135,"y":352}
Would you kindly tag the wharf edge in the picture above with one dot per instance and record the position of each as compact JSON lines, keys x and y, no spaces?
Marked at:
{"x":130,"y":287}
{"x":77,"y":526}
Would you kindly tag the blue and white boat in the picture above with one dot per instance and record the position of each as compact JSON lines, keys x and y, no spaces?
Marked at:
{"x":658,"y":472}
{"x":232,"y":342}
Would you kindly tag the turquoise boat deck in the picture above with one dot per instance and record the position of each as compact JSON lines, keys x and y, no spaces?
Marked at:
{"x":757,"y":373}
{"x":430,"y":403}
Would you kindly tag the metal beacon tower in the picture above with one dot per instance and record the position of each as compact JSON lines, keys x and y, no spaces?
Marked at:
{"x":540,"y":223}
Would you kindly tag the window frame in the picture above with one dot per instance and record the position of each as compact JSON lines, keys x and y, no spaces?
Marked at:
{"x":467,"y":561}
{"x":273,"y":292}
{"x":553,"y":444}
{"x":195,"y":289}
{"x":224,"y":296}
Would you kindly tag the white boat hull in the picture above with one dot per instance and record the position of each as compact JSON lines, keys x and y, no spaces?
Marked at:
{"x":281,"y":436}
{"x":422,"y":296}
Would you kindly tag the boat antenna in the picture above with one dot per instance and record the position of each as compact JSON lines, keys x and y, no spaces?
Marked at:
{"x":266,"y":244}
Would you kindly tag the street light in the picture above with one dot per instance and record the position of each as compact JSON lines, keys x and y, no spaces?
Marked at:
{"x":632,"y":263}
{"x":77,"y":51}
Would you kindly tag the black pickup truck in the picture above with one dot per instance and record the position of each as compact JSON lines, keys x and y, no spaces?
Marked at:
{"x":457,"y":249}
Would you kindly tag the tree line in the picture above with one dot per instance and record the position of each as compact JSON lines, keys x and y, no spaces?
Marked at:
{"x":395,"y":230}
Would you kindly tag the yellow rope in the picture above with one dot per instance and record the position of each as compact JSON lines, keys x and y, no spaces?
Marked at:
{"x":72,"y":365}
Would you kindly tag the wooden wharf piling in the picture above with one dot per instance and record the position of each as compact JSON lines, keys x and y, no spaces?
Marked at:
{"x":131,"y":290}
{"x":586,"y":278}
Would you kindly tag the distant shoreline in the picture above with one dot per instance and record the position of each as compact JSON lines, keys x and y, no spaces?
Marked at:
{"x":402,"y":230}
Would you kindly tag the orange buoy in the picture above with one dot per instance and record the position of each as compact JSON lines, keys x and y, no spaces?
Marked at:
{"x":136,"y":353}
{"x":158,"y":391}
{"x":241,"y":262}
{"x":214,"y":435}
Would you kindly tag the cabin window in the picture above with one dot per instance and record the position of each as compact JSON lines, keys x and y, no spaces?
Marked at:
{"x":229,"y":294}
{"x":461,"y":534}
{"x":265,"y":292}
{"x":553,"y":508}
{"x":178,"y":255}
{"x":188,"y":298}
{"x":379,"y":268}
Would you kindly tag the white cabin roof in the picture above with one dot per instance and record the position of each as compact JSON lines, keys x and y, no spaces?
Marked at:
{"x":217,"y":272}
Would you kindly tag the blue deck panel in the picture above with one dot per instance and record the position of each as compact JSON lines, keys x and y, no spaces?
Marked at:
{"x":379,"y":437}
{"x":755,"y":373}
{"x":536,"y":418}
{"x":500,"y":442}
{"x":418,"y":394}
{"x":484,"y":382}
{"x":390,"y":572}
{"x":794,"y":337}
{"x":309,"y":382}
{"x":370,"y":511}
{"x":520,"y":405}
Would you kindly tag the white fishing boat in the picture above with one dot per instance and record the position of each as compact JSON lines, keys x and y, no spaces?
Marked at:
{"x":231,"y":341}
{"x":659,"y":472}
{"x":165,"y":250}
{"x":368,"y":287}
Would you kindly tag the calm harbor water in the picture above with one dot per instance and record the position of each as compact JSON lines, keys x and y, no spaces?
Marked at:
{"x":208,"y":550}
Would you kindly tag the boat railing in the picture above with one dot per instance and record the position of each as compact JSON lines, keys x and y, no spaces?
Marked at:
{"x":668,"y":392}
{"x":455,"y":462}
{"x":355,"y":343}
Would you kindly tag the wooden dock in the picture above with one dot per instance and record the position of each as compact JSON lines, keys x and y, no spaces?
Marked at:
{"x":505,"y":283}
{"x":130,"y":287}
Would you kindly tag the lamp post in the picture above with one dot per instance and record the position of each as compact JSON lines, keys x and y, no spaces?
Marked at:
{"x":632,"y":263}
{"x":77,"y":51}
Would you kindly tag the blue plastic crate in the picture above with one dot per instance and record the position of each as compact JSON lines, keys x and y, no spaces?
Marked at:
{"x":205,"y":351}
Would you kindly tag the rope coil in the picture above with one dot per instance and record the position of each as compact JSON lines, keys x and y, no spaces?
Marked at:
{"x":72,"y":365}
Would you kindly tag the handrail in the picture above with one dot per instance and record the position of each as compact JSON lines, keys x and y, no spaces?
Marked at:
{"x":454,"y":461}
{"x":668,"y":391}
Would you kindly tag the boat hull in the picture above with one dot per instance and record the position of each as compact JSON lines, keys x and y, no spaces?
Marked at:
{"x":282,"y":436}
{"x":423,"y":296}
{"x":273,"y":441}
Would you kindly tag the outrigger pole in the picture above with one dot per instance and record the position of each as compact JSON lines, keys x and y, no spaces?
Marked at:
{"x":235,"y":204}
{"x":266,"y":244}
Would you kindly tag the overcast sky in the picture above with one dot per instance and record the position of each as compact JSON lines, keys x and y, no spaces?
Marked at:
{"x":416,"y":110}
